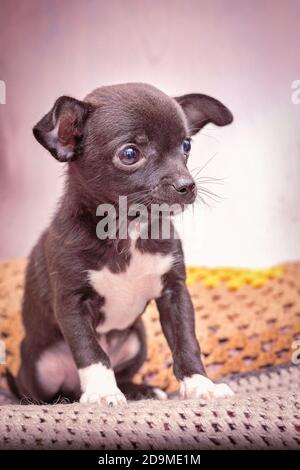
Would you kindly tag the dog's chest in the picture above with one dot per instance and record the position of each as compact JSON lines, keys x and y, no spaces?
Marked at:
{"x":126,"y":293}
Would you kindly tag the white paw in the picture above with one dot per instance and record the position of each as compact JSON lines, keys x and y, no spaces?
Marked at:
{"x":160,"y":394}
{"x":113,"y":399}
{"x":99,"y":385}
{"x":198,"y":386}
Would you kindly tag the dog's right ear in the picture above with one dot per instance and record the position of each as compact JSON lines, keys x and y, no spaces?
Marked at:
{"x":61,"y":130}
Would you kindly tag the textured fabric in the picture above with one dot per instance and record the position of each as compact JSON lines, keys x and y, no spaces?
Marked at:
{"x":241,"y":327}
{"x":245,"y":319}
{"x":263,"y":414}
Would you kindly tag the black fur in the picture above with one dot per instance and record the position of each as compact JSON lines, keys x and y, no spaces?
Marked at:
{"x":59,"y":303}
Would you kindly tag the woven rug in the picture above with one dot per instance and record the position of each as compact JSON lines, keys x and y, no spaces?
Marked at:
{"x":245,"y":319}
{"x":263,"y":414}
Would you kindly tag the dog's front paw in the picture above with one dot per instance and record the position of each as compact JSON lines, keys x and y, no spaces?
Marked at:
{"x":198,"y":386}
{"x":99,"y":385}
{"x":112,"y":399}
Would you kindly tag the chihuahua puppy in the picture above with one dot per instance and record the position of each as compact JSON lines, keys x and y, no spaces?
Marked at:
{"x":84,"y":296}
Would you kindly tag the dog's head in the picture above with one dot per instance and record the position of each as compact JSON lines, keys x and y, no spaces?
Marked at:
{"x":129,"y":139}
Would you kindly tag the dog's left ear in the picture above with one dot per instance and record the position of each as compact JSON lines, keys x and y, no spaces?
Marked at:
{"x":202,"y":109}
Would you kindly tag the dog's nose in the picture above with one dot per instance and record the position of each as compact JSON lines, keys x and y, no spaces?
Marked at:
{"x":184,"y":185}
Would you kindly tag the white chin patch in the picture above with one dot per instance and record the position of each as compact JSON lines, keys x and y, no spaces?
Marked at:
{"x":98,"y":385}
{"x":198,"y":386}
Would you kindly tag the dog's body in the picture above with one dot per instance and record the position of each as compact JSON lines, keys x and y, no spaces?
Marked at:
{"x":84,"y":296}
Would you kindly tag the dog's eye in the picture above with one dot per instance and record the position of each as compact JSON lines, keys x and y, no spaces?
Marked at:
{"x":186,"y":146}
{"x":129,"y":155}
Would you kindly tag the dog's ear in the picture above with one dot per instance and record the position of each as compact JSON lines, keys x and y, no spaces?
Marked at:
{"x":202,"y":109}
{"x":61,"y":130}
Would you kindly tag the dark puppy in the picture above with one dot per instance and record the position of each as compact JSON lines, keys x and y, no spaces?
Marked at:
{"x":84,"y":296}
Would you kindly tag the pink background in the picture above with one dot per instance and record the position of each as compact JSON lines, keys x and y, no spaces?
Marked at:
{"x":245,"y":53}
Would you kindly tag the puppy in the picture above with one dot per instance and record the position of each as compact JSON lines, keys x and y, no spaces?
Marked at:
{"x":84,"y":296}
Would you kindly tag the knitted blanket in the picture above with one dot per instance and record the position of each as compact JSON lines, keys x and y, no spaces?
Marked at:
{"x":246,"y":320}
{"x":263,"y":414}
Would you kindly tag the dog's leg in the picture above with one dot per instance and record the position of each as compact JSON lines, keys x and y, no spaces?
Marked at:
{"x":97,"y":378}
{"x":127,"y":359}
{"x":178,"y":324}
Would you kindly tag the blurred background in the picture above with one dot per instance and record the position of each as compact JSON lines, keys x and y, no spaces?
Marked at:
{"x":245,"y":53}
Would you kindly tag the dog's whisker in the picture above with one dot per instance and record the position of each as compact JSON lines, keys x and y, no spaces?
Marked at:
{"x":206,"y":196}
{"x":210,"y":137}
{"x":204,"y":190}
{"x":209,"y":180}
{"x":206,"y":163}
{"x":201,"y":199}
{"x":138,"y":192}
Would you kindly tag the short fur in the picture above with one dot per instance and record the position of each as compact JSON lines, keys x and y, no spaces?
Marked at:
{"x":61,"y":305}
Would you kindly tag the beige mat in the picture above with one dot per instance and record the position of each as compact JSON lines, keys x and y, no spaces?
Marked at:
{"x":263,"y":414}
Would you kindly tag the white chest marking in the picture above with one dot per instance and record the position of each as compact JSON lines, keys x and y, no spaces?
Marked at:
{"x":127,"y":293}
